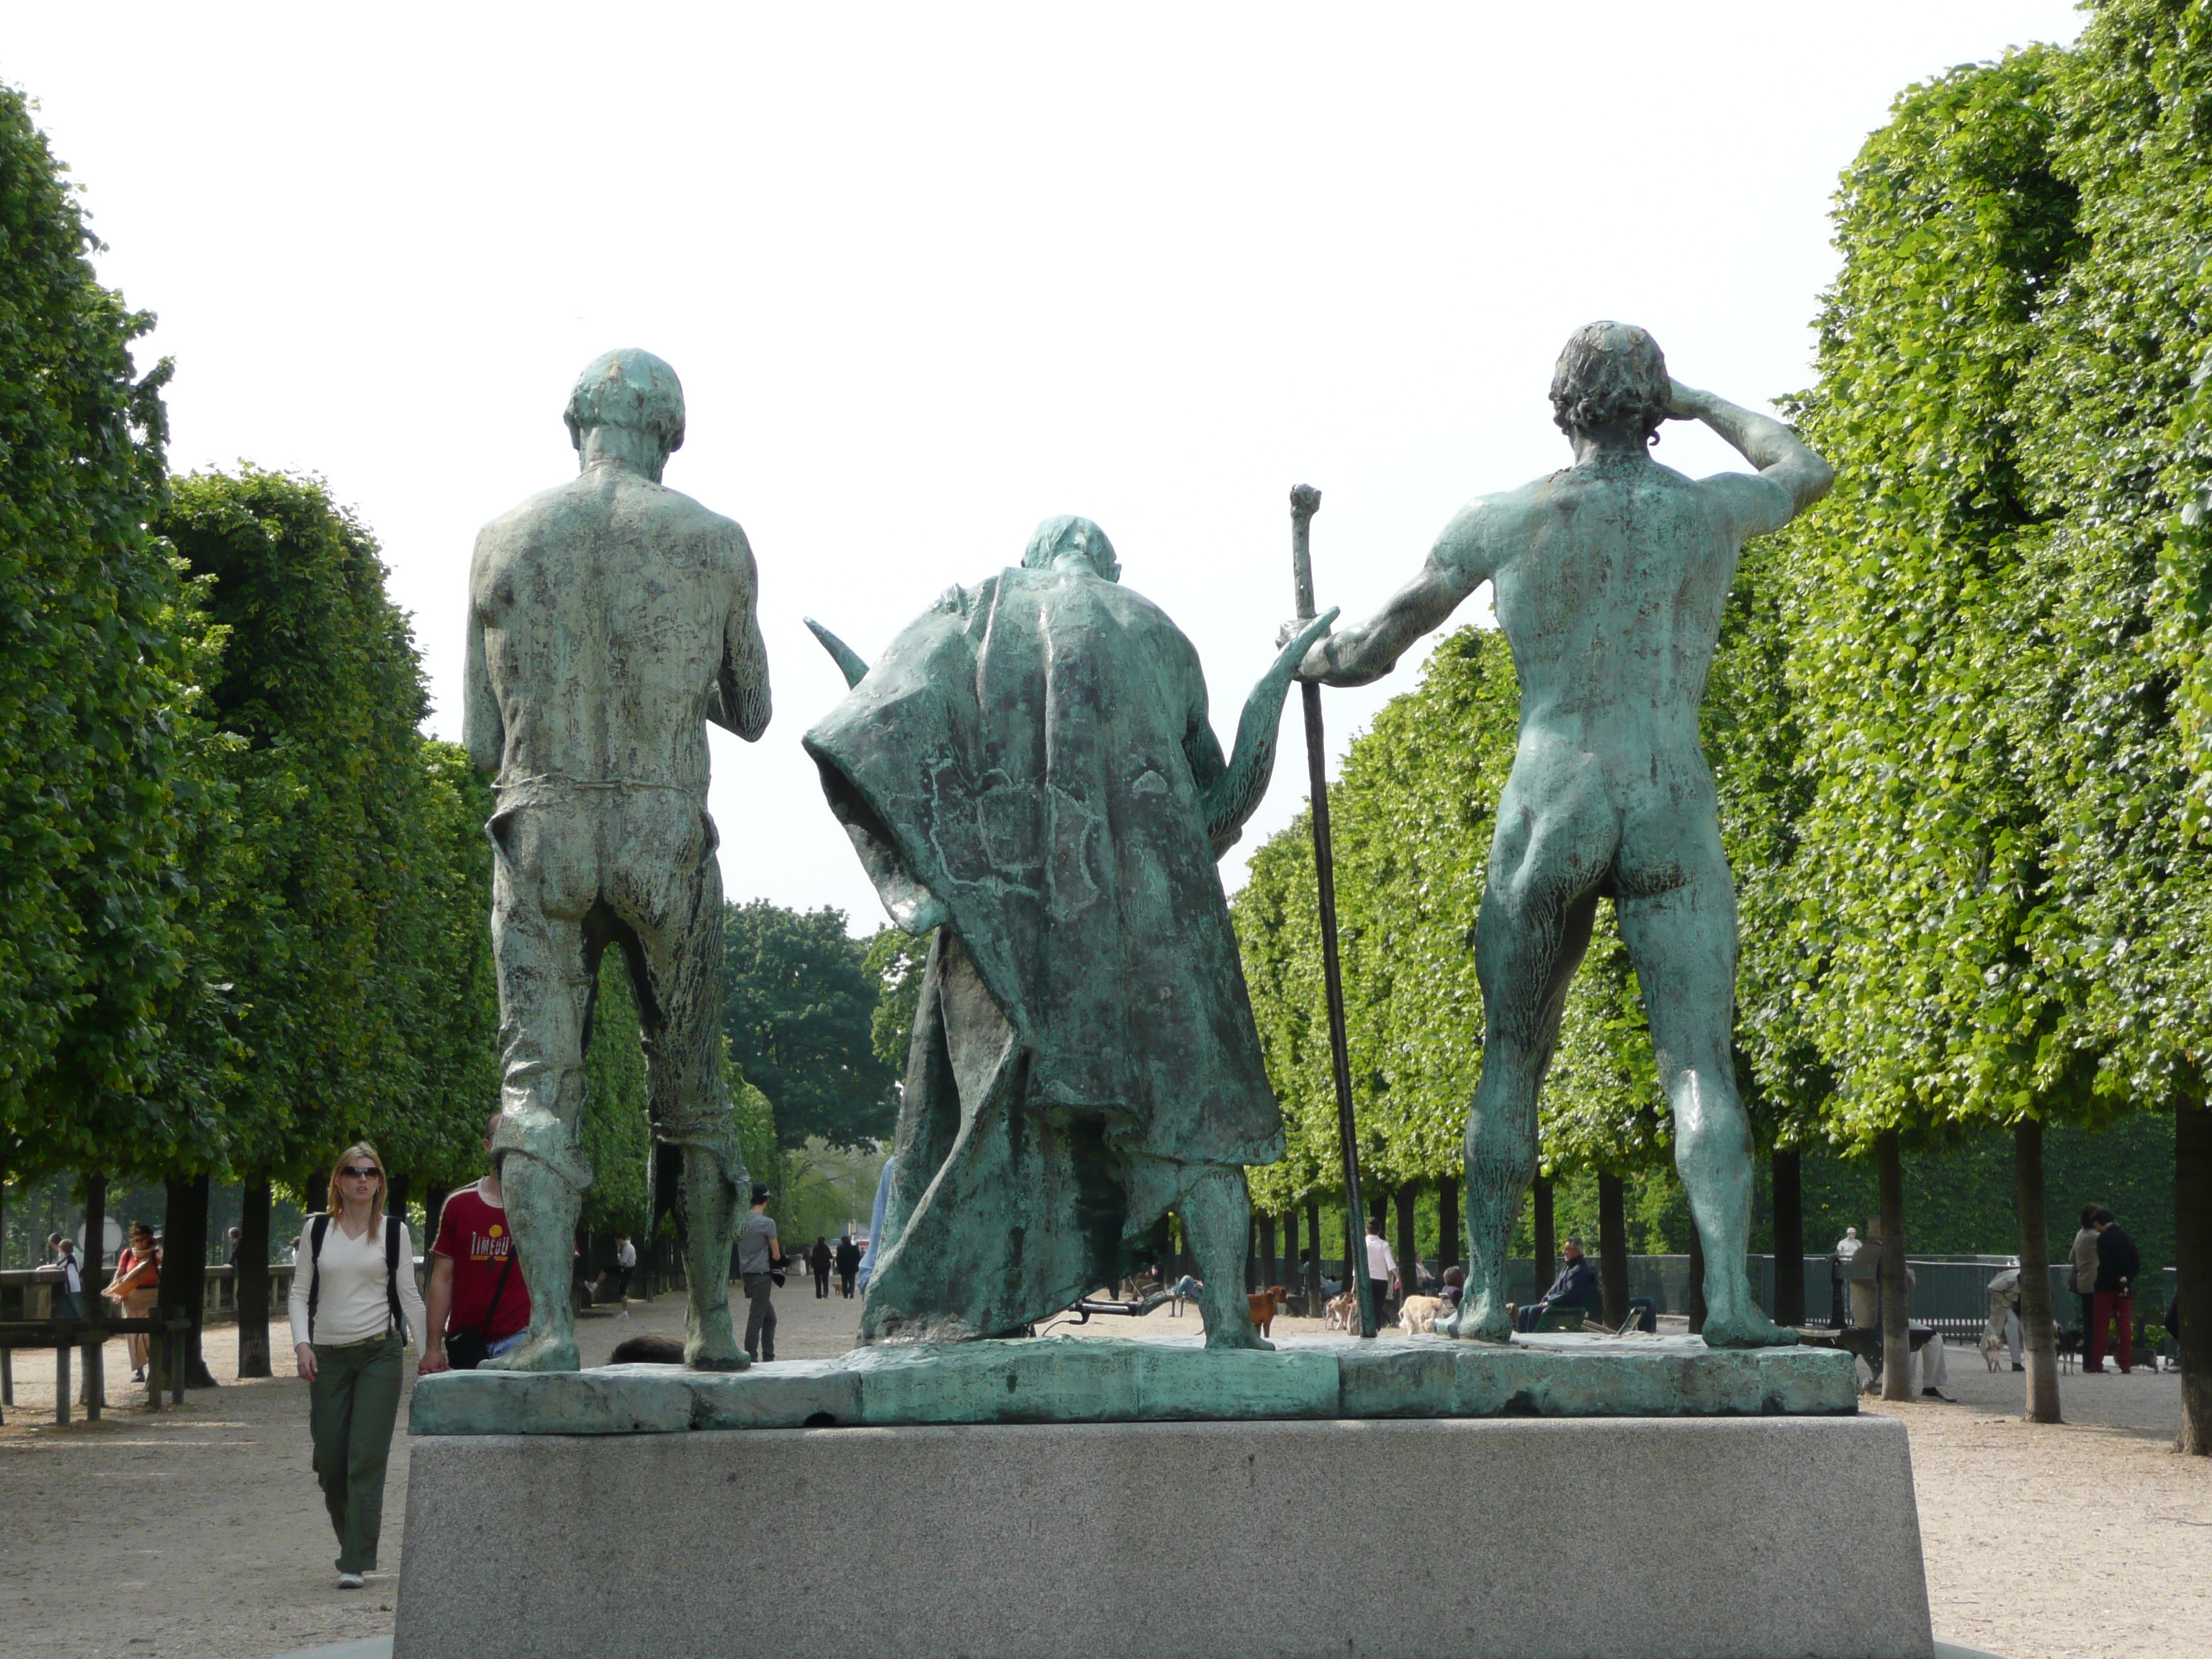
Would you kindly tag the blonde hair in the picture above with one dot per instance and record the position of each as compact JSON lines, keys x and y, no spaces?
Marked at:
{"x":383,"y":1187}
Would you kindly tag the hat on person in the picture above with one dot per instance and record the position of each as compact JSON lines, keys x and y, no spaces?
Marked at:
{"x":760,"y":1193}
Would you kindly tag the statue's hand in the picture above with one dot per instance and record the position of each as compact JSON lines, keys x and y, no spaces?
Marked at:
{"x":1301,"y":649}
{"x":1297,"y":638}
{"x":1685,"y":403}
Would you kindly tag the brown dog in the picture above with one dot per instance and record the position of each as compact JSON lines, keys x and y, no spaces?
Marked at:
{"x":1265,"y":1306}
{"x":1343,"y":1312}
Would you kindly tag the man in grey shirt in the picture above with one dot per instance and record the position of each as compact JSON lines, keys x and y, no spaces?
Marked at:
{"x":759,"y":1256}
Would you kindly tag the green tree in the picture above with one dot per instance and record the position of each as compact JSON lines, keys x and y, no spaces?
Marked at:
{"x":94,"y":678}
{"x":799,"y":1004}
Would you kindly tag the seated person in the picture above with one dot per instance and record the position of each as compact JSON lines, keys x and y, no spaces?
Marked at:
{"x":1455,"y":1284}
{"x":1575,"y":1287}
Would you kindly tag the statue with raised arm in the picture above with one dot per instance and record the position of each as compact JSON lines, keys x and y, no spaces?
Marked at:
{"x":1609,"y":578}
{"x":1029,"y":771}
{"x":609,"y":620}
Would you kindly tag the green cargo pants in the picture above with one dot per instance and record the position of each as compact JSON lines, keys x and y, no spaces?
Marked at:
{"x":352,"y":1405}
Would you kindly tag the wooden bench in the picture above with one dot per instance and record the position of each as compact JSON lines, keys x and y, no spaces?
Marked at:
{"x":64,"y":1335}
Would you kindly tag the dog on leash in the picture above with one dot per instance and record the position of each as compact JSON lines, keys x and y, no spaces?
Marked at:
{"x":1419,"y":1313}
{"x":1265,"y":1306}
{"x":1343,"y":1312}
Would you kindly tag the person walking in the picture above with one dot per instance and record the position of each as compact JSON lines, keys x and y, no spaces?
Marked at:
{"x":72,"y":1291}
{"x":759,"y":1269}
{"x":818,"y":1262}
{"x":625,"y":1265}
{"x":135,"y":1288}
{"x":2083,"y":1260}
{"x":353,"y":1301}
{"x":848,"y":1265}
{"x":1381,"y":1273}
{"x":479,"y":1305}
{"x":2119,"y":1266}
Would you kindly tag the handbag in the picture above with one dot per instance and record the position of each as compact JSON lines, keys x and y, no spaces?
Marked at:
{"x":470,"y":1345}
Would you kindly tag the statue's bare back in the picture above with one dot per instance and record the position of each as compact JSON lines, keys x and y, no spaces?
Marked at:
{"x":615,"y":582}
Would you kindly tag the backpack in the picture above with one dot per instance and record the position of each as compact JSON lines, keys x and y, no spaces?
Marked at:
{"x":317,"y":1228}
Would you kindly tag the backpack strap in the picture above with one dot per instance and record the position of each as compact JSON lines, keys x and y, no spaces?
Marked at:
{"x":317,"y":1226}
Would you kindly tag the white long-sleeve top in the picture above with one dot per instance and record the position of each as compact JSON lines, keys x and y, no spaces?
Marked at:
{"x":351,"y":1306}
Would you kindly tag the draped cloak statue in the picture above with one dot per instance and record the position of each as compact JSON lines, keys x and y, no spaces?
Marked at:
{"x":1030,"y":770}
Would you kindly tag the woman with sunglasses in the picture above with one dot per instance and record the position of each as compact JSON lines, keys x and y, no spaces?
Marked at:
{"x":347,"y":1344}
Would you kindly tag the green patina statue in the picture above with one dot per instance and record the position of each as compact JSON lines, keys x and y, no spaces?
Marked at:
{"x":1610,"y":577}
{"x":608,"y":620}
{"x":1030,"y":772}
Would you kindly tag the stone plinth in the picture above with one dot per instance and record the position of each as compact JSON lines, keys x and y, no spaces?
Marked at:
{"x":1688,"y":1538}
{"x":1112,"y":1380}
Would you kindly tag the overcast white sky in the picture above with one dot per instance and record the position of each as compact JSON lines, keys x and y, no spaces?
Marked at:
{"x":931,"y":273}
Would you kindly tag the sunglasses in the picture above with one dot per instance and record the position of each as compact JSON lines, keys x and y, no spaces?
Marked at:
{"x":361,"y":1173}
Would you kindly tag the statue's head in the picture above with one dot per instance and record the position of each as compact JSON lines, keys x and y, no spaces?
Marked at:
{"x":1068,"y":540}
{"x":1611,"y":374}
{"x":629,"y":391}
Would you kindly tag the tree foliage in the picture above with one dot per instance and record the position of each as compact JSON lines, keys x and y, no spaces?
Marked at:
{"x":347,"y":921}
{"x":94,"y":678}
{"x":799,"y":1007}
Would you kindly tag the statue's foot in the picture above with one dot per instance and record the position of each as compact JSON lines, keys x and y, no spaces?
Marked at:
{"x":1751,"y":1329}
{"x":1478,"y":1320}
{"x":1239,"y":1340}
{"x":710,"y":1341}
{"x":553,"y":1350}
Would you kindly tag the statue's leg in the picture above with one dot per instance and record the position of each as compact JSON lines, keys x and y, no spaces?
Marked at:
{"x":670,"y":898}
{"x":1217,"y":1210}
{"x":1554,"y":841}
{"x":541,"y":875}
{"x":1678,"y":921}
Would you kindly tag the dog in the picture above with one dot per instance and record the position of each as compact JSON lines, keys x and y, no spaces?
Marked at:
{"x":1419,"y":1313}
{"x":2069,"y":1346}
{"x":1265,"y":1306}
{"x":1343,"y":1310}
{"x":1991,"y":1345}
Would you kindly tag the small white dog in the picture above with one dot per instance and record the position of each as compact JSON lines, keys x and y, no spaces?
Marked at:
{"x":1419,"y":1313}
{"x":1342,"y":1311}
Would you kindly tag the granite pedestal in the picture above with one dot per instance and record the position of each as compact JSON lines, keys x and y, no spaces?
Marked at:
{"x":1712,"y":1538}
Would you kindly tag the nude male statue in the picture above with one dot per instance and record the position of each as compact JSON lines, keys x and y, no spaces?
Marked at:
{"x":609,"y":620}
{"x":1609,"y":577}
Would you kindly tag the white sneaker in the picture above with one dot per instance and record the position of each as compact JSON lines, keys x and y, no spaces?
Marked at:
{"x":351,"y":1581}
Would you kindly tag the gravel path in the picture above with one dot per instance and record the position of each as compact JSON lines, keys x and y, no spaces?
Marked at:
{"x":198,"y":1533}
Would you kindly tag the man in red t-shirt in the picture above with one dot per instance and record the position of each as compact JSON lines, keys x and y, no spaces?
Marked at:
{"x":476,"y":1286}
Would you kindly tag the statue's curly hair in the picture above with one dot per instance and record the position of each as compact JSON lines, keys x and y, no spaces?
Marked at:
{"x":628,"y":388}
{"x":1611,"y":374}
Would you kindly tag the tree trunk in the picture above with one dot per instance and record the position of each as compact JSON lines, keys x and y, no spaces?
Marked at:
{"x":2035,"y":1321}
{"x":1313,"y":1262}
{"x":395,"y":1186}
{"x":1697,"y":1279}
{"x":1447,"y":1223}
{"x":1251,"y":1253}
{"x":1269,"y":1266}
{"x":184,"y":1273}
{"x":1896,"y":1335}
{"x":1548,"y":1238}
{"x":1613,"y":1246}
{"x":1409,"y":1243}
{"x":250,"y":1288}
{"x":95,"y":1253}
{"x":2193,"y":1255}
{"x":1789,"y":1239}
{"x":434,"y":1212}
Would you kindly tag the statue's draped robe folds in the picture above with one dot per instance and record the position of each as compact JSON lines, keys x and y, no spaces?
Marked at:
{"x":1084,"y":1048}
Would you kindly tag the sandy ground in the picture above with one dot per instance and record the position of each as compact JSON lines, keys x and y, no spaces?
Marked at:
{"x":198,"y":1533}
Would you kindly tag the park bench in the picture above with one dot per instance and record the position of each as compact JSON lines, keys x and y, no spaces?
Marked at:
{"x":64,"y":1336}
